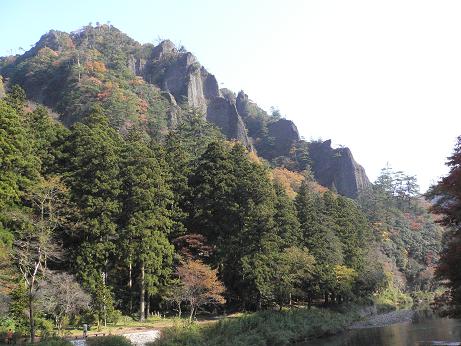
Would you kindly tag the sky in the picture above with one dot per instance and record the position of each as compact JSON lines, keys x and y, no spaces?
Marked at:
{"x":380,"y":77}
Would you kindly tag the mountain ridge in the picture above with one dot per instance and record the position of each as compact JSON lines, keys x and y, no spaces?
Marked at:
{"x":67,"y":72}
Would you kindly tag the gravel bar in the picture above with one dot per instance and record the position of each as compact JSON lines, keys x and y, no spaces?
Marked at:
{"x":386,"y":319}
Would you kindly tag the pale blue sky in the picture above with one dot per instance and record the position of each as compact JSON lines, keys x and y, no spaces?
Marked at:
{"x":382,"y":77}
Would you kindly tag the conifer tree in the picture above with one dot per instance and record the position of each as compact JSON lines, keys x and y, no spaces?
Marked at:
{"x":92,"y":165}
{"x":146,"y":217}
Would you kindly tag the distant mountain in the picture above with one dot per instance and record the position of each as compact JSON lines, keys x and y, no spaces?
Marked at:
{"x":151,"y":86}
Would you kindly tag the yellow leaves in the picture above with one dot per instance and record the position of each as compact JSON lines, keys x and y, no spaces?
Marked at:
{"x":345,"y":276}
{"x":290,"y":181}
{"x":254,"y":158}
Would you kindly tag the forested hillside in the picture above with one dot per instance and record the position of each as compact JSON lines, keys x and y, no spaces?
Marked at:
{"x":136,"y":200}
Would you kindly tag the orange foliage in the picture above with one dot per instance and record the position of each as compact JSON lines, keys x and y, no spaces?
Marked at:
{"x":200,"y":284}
{"x":95,"y":67}
{"x":47,"y":52}
{"x":290,"y":181}
{"x":142,"y":118}
{"x":142,"y":106}
{"x":416,"y":222}
{"x":137,"y":81}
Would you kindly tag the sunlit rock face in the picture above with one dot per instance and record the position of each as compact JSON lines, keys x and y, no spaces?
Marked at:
{"x":337,"y":169}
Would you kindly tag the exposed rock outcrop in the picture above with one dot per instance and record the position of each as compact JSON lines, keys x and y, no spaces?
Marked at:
{"x":242,"y":102}
{"x":224,"y":115}
{"x":182,"y":78}
{"x":336,"y":168}
{"x":180,"y":74}
{"x":165,"y":49}
{"x":2,"y":88}
{"x":173,"y":110}
{"x":284,"y":133}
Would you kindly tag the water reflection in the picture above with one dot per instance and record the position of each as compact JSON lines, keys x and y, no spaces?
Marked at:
{"x":426,"y":329}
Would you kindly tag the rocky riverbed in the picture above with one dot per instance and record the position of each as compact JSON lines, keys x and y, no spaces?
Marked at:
{"x":381,"y":320}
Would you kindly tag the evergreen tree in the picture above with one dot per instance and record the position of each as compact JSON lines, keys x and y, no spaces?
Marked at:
{"x":47,"y":136}
{"x":16,"y":99}
{"x":146,"y":217}
{"x":92,"y":165}
{"x":233,"y":206}
{"x":286,"y":219}
{"x":447,"y":194}
{"x":19,"y":167}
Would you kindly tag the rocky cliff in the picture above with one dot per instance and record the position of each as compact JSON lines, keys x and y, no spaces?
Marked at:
{"x":150,"y":85}
{"x":180,"y":74}
{"x":337,"y":169}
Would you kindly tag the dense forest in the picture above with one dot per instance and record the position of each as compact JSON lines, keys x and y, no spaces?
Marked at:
{"x":115,"y":203}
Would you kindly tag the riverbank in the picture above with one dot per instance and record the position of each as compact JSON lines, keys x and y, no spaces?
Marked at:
{"x":136,"y":338}
{"x":262,"y":328}
{"x":385,"y":319}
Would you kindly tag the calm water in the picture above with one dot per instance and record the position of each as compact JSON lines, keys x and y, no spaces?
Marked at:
{"x":424,"y":330}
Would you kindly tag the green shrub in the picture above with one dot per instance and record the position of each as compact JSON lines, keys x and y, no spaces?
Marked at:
{"x":6,"y":323}
{"x":44,"y":327}
{"x":111,"y":340}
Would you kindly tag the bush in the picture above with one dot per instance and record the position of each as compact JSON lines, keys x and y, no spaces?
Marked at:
{"x":6,"y":323}
{"x":44,"y":327}
{"x":111,"y":340}
{"x":392,"y":296}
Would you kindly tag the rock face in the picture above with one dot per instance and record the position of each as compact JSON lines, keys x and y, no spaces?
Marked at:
{"x":337,"y":169}
{"x":182,"y":75}
{"x":242,"y":103}
{"x":285,"y":134}
{"x":173,"y":110}
{"x":224,"y":115}
{"x":183,"y":79}
{"x":2,"y":88}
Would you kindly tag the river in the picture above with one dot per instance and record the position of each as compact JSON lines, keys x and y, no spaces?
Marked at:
{"x":424,"y":329}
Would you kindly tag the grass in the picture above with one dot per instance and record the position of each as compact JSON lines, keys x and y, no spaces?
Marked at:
{"x":260,"y":328}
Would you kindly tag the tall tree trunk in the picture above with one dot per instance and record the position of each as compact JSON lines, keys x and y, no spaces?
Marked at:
{"x":191,"y":313}
{"x":31,"y":316}
{"x":104,"y":277}
{"x":142,"y":294}
{"x":179,"y":309}
{"x":290,"y":302}
{"x":130,"y":287}
{"x":309,"y":300}
{"x":326,"y":297}
{"x":147,"y":305}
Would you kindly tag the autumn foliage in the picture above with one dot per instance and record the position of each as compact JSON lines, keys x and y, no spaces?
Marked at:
{"x":200,"y":285}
